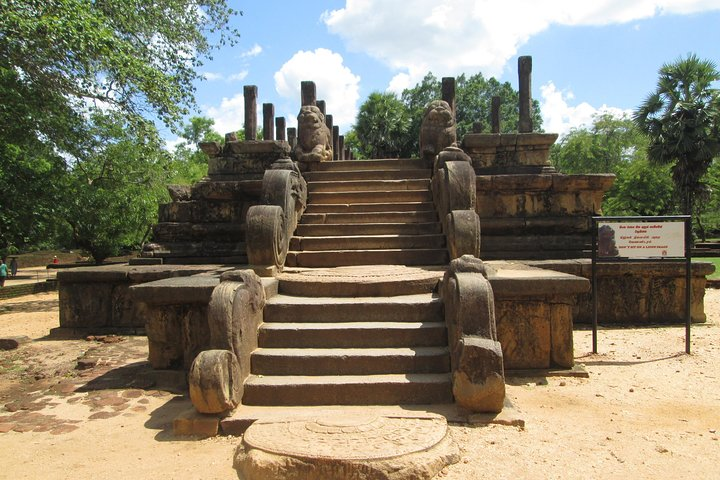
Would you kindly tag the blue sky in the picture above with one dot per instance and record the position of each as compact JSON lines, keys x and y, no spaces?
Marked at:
{"x":588,"y":55}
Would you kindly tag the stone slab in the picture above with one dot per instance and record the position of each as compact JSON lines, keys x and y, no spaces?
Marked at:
{"x":347,"y":446}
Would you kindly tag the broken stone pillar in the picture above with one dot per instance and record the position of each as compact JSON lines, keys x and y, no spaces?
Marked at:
{"x":341,"y":147}
{"x":292,"y":136}
{"x":280,"y":128}
{"x":307,"y":93}
{"x":268,"y":121}
{"x":495,"y":114}
{"x":448,"y":91}
{"x":525,"y":73}
{"x":336,"y":142}
{"x":250,"y":93}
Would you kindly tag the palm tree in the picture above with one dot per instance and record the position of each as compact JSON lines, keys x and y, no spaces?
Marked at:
{"x":682,"y":120}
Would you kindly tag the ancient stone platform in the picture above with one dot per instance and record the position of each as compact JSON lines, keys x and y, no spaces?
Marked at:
{"x":343,"y":445}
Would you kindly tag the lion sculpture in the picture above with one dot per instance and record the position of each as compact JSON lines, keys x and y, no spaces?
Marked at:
{"x":437,"y":130}
{"x":314,"y":138}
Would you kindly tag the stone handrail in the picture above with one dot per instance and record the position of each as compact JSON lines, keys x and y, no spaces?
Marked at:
{"x":270,"y":225}
{"x":476,"y":356}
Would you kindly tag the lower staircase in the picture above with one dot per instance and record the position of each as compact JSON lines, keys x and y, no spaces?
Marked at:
{"x":364,"y":335}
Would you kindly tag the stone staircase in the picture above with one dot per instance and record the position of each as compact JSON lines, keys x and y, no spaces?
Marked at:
{"x":372,"y":334}
{"x":366,"y":347}
{"x":365,"y":212}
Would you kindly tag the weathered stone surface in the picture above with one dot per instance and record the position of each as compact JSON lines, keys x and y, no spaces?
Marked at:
{"x":561,"y":335}
{"x":179,"y":193}
{"x":463,"y":233}
{"x":637,"y":292}
{"x":347,"y":447}
{"x":215,"y":382}
{"x":475,"y":355}
{"x":314,"y":138}
{"x":196,"y":424}
{"x":478,"y":382}
{"x":523,"y":329}
{"x":438,"y":130}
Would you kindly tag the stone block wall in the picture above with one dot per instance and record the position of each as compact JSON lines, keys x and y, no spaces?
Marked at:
{"x":639,"y":292}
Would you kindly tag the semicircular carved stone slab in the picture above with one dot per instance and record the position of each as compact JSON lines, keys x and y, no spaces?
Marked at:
{"x":463,"y":233}
{"x":215,"y":382}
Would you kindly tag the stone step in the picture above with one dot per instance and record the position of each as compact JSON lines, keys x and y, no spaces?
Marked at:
{"x":197,"y":249}
{"x":392,"y":389}
{"x":385,"y":174}
{"x":337,"y":258}
{"x":377,"y":164}
{"x":352,"y":334}
{"x":371,"y":207}
{"x":368,"y":185}
{"x":189,"y":232}
{"x":320,"y":229}
{"x":370,"y":217}
{"x":379,"y":196}
{"x":363,"y":281}
{"x":366,"y":242}
{"x":349,"y":361}
{"x":392,"y":307}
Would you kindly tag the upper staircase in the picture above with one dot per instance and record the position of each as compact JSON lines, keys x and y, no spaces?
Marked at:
{"x":368,"y":212}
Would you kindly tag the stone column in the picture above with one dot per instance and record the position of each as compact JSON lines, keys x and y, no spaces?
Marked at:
{"x":250,"y":93}
{"x":268,"y":121}
{"x":495,"y":114}
{"x":307,"y":93}
{"x":525,"y":73}
{"x":280,"y":128}
{"x":336,"y":142}
{"x":341,"y":147}
{"x":321,"y":106}
{"x":292,"y":136}
{"x":348,"y":153}
{"x":448,"y":92}
{"x":329,"y":123}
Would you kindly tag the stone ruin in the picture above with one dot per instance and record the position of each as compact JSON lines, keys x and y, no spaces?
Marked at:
{"x":268,"y":250}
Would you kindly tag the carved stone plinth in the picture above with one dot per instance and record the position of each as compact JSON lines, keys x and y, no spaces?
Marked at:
{"x":509,"y":152}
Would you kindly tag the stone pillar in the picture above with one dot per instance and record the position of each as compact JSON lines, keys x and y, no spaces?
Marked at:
{"x":292,"y":136}
{"x":525,"y":85}
{"x":477,"y":127}
{"x":348,"y":153}
{"x":331,"y":128}
{"x":448,"y":92}
{"x":336,"y":142}
{"x":495,"y":114}
{"x":307,"y":93}
{"x":268,"y":121}
{"x":341,"y":147}
{"x":321,"y":105}
{"x":280,"y":128}
{"x":250,"y":93}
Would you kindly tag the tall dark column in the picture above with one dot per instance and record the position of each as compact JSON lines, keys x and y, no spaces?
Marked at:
{"x":280,"y":128}
{"x":268,"y":121}
{"x":307,"y":93}
{"x":250,"y":94}
{"x":292,"y":136}
{"x":341,"y":147}
{"x":495,"y":114}
{"x":448,"y":91}
{"x":336,"y":142}
{"x":321,"y":105}
{"x":525,"y":85}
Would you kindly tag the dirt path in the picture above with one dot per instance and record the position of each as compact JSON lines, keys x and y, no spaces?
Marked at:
{"x":646,"y":411}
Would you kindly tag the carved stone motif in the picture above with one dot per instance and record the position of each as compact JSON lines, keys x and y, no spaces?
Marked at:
{"x":437,"y":130}
{"x":475,"y":354}
{"x":314,"y":138}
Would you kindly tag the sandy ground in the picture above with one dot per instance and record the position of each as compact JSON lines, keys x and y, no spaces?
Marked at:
{"x":75,"y":408}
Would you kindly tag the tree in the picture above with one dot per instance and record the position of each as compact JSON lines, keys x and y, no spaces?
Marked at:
{"x":682,"y":121}
{"x":382,"y":126}
{"x":473,"y":97}
{"x":190,"y":164}
{"x":112,"y":193}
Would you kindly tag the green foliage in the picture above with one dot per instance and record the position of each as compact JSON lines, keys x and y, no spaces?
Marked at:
{"x":189,"y":163}
{"x":382,"y":126}
{"x":682,"y":121}
{"x":112,"y":193}
{"x":641,"y":189}
{"x":395,"y":124}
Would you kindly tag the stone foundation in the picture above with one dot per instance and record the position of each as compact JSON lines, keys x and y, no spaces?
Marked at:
{"x":637,"y":293}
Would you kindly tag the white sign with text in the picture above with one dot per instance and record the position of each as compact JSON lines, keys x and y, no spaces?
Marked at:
{"x":641,"y":239}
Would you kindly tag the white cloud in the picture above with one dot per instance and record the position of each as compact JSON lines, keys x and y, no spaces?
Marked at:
{"x":235,"y":77}
{"x":254,"y":51}
{"x":170,"y":144}
{"x":335,"y":83}
{"x":449,"y":37}
{"x":560,"y":117}
{"x":230,"y":115}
